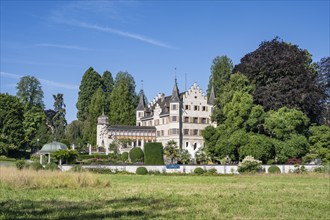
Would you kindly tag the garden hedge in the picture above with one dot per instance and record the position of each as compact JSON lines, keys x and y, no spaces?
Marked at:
{"x":153,"y":154}
{"x":136,"y":155}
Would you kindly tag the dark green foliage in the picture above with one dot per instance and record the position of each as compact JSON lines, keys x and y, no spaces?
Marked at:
{"x":141,"y":171}
{"x":74,"y":133}
{"x":96,"y":107}
{"x":124,"y":157}
{"x":274,"y":169}
{"x":59,"y":121}
{"x":11,"y":124}
{"x":184,"y":156}
{"x":220,"y":72}
{"x":212,"y":171}
{"x":107,"y":82}
{"x":51,"y":166}
{"x":284,"y":76}
{"x":323,"y":79}
{"x":67,"y":155}
{"x":20,"y":164}
{"x":90,"y":82}
{"x":29,"y":91}
{"x":210,"y":136}
{"x":36,"y":166}
{"x":101,"y":170}
{"x":198,"y":171}
{"x":319,"y":144}
{"x":259,"y":146}
{"x":153,"y":154}
{"x":171,"y":151}
{"x":123,"y":100}
{"x":136,"y":155}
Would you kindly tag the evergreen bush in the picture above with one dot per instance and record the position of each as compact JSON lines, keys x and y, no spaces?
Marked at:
{"x":20,"y":164}
{"x":274,"y":169}
{"x":124,"y":157}
{"x":153,"y":154}
{"x":51,"y":166}
{"x":212,"y":171}
{"x":198,"y":171}
{"x":141,"y":171}
{"x":136,"y":155}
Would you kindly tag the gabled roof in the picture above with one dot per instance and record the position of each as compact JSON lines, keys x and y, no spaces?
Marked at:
{"x":175,"y":93}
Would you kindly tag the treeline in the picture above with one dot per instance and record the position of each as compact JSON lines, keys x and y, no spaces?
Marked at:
{"x":25,"y":125}
{"x":117,"y":99}
{"x":274,"y":105}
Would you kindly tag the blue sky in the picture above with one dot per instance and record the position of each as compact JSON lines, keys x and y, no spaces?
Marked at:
{"x":56,"y":41}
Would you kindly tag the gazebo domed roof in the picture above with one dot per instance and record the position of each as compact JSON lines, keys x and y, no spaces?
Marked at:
{"x":52,"y":147}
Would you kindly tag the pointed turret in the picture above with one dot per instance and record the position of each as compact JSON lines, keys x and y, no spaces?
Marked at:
{"x":211,"y":99}
{"x":175,"y":93}
{"x":142,"y":103}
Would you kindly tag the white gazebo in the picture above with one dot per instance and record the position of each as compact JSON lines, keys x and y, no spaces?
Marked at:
{"x":49,"y":148}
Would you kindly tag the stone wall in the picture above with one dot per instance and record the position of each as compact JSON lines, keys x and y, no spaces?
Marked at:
{"x":222,"y":169}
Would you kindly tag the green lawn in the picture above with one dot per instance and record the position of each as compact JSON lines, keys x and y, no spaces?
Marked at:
{"x":176,"y":197}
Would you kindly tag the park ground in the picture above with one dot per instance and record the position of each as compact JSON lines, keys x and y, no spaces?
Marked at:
{"x":259,"y":196}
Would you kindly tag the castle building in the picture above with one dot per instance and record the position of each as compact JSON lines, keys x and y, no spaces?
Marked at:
{"x":180,"y":117}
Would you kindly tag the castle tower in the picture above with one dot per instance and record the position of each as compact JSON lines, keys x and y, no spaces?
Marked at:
{"x":101,"y":132}
{"x":140,"y":109}
{"x":176,"y":115}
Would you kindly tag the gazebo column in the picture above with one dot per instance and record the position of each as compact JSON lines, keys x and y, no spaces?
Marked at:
{"x":48,"y":158}
{"x":107,"y":150}
{"x":142,"y":144}
{"x":41,"y":159}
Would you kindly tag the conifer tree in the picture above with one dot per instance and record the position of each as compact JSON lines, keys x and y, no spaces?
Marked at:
{"x":59,"y":120}
{"x":90,"y":82}
{"x":123,"y":100}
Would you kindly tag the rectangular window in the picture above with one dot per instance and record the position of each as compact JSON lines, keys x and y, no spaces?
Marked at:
{"x":186,"y":131}
{"x":196,"y":108}
{"x":162,"y":133}
{"x":174,"y":118}
{"x":186,"y":119}
{"x":204,"y":108}
{"x":156,"y":122}
{"x":158,"y":133}
{"x":203,"y":120}
{"x":173,"y":107}
{"x":195,"y":132}
{"x":195,"y":120}
{"x":150,"y":123}
{"x":187,"y":107}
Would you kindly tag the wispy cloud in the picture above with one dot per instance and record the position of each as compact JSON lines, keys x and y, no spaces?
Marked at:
{"x":45,"y":81}
{"x":74,"y":47}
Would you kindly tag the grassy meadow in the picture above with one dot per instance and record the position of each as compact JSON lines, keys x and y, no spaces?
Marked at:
{"x":29,"y":194}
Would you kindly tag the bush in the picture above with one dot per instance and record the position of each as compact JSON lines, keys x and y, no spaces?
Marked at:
{"x":198,"y":171}
{"x":153,"y":154}
{"x":136,"y":155}
{"x":20,"y":164}
{"x":274,"y":169}
{"x":141,"y":171}
{"x":51,"y":166}
{"x":212,"y":171}
{"x":249,"y":165}
{"x":3,"y":157}
{"x":36,"y":166}
{"x":101,"y":170}
{"x":124,"y":157}
{"x":78,"y":168}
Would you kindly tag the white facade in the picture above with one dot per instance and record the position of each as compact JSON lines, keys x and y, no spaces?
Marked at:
{"x":180,"y":117}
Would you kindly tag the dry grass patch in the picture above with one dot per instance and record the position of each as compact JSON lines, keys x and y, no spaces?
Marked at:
{"x":30,"y":179}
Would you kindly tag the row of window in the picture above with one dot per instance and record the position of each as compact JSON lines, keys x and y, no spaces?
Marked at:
{"x":134,"y":133}
{"x":175,"y":131}
{"x":194,"y":120}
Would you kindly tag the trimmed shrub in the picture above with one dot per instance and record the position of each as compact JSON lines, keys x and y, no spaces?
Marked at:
{"x":153,"y":154}
{"x":212,"y":171}
{"x":124,"y":157}
{"x":136,"y":155}
{"x":20,"y":164}
{"x":36,"y":166}
{"x":141,"y":171}
{"x":249,"y":165}
{"x":274,"y":169}
{"x":198,"y":171}
{"x":51,"y":166}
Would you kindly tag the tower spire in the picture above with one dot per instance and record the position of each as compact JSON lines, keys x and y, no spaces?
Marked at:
{"x":175,"y":92}
{"x":211,"y":99}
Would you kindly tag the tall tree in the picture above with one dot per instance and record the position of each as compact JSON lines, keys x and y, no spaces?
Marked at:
{"x":323,"y":79}
{"x":29,"y":91}
{"x":90,"y":82}
{"x":123,"y":100}
{"x":107,"y":82}
{"x":11,"y":123}
{"x":220,"y":72}
{"x":59,"y":120}
{"x":74,"y":133}
{"x":96,"y":107}
{"x":284,"y":76}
